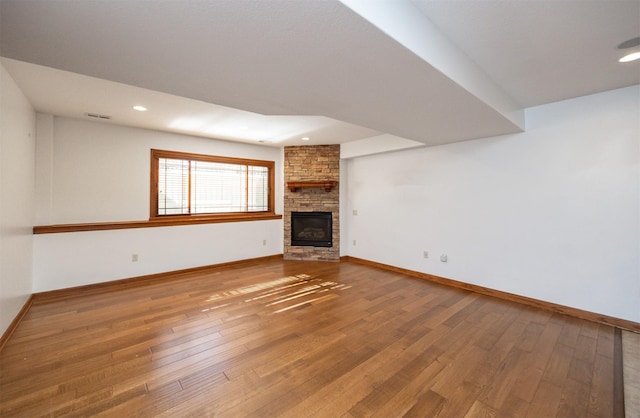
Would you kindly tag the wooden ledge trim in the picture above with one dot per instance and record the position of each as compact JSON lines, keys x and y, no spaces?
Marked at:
{"x":549,"y":306}
{"x":153,"y":223}
{"x":133,"y":282}
{"x":16,"y":321}
{"x":327,"y":185}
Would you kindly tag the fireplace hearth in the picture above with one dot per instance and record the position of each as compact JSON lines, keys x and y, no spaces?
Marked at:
{"x":311,"y":229}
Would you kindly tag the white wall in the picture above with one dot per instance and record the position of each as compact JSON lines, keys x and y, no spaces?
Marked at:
{"x":17,"y":149}
{"x":99,"y":172}
{"x":80,"y":258}
{"x":552,"y":213}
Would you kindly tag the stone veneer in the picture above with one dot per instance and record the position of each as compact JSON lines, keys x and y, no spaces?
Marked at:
{"x":312,"y":163}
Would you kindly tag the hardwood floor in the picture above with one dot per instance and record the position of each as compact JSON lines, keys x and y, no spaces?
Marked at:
{"x":293,"y":339}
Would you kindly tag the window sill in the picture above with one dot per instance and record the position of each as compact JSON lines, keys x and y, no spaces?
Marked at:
{"x":154,"y":223}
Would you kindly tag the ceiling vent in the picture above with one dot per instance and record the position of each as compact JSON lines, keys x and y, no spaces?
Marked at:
{"x":98,"y":116}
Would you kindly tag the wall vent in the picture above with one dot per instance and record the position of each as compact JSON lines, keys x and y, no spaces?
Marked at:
{"x":98,"y":116}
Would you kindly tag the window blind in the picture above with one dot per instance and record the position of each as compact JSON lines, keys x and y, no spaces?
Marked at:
{"x":200,"y":187}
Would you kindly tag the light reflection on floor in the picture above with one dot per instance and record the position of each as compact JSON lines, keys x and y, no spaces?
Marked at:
{"x":284,"y":293}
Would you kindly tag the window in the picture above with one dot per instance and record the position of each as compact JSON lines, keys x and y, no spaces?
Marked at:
{"x":186,"y":185}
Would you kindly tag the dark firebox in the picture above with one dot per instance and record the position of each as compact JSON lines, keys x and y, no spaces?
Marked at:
{"x":311,"y":229}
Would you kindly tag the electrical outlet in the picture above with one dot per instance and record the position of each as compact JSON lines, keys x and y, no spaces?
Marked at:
{"x":355,"y":212}
{"x":425,"y":254}
{"x":354,"y":242}
{"x":134,"y":257}
{"x":264,"y":242}
{"x":443,"y":258}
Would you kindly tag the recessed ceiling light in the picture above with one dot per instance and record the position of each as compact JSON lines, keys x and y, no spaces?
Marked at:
{"x":630,"y":43}
{"x":305,"y":138}
{"x":140,"y":108}
{"x":630,"y":57}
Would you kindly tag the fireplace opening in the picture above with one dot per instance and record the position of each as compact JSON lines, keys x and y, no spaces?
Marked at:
{"x":311,"y":229}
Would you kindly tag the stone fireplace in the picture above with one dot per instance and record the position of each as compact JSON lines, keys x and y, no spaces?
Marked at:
{"x":311,"y":195}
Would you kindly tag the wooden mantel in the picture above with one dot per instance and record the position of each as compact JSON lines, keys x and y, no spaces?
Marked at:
{"x":327,"y":185}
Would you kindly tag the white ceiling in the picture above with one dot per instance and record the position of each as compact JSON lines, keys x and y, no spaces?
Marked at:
{"x":431,"y":71}
{"x":543,"y":51}
{"x":74,"y":95}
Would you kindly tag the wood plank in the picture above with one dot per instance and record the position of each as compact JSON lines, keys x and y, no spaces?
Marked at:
{"x":480,"y":410}
{"x":535,"y":362}
{"x":546,"y":402}
{"x":601,"y":405}
{"x":575,"y":399}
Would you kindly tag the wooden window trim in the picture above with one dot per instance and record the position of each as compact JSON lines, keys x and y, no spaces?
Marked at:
{"x":153,"y":193}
